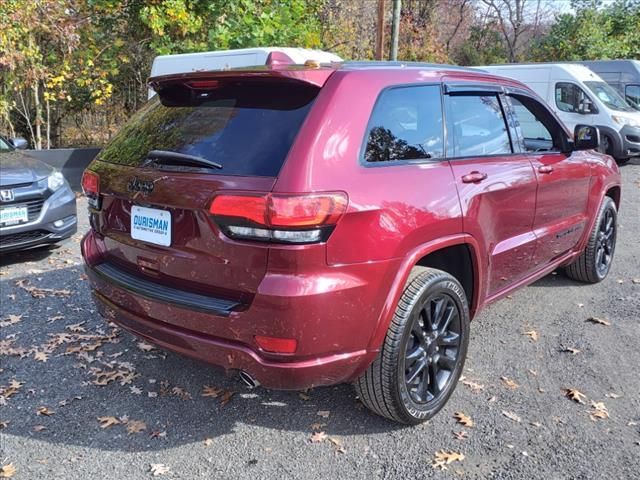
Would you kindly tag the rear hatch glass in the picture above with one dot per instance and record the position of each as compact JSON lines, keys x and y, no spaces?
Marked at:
{"x":245,"y":127}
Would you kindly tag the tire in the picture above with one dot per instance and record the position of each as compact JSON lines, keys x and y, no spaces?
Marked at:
{"x":593,"y":265}
{"x":622,"y":161}
{"x":385,"y":387}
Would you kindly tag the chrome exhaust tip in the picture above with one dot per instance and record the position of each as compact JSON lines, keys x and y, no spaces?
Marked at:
{"x":248,"y":380}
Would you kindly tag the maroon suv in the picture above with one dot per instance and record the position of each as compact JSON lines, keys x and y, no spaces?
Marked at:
{"x":312,"y":225}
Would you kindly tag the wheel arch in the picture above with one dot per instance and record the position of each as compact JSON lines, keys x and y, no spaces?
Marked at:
{"x":441,"y":254}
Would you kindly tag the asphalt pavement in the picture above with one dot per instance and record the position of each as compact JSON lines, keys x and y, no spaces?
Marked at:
{"x":63,"y":367}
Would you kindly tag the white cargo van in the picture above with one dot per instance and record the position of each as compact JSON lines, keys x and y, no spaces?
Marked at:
{"x":580,"y":96}
{"x":226,"y":59}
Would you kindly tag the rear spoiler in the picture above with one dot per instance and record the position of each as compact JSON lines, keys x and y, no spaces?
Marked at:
{"x":311,"y":73}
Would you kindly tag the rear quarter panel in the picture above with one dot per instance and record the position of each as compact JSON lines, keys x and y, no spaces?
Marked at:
{"x":392,"y":208}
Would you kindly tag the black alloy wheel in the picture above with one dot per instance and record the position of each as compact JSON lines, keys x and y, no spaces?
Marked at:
{"x":433,"y":348}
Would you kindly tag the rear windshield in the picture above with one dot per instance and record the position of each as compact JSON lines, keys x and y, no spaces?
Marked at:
{"x":247,"y":128}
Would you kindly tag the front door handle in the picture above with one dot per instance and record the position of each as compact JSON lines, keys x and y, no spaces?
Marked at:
{"x":474,"y":177}
{"x":545,"y":169}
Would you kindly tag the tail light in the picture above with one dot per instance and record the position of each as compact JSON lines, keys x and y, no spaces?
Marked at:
{"x":296,"y":219}
{"x":91,"y":188}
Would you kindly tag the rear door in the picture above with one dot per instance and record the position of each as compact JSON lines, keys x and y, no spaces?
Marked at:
{"x":563,"y":179}
{"x":497,"y":186}
{"x":154,"y":206}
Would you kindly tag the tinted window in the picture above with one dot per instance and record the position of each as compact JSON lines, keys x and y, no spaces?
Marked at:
{"x":406,"y":124}
{"x":477,"y":126}
{"x":569,"y":97}
{"x":247,"y":128}
{"x":633,"y":95}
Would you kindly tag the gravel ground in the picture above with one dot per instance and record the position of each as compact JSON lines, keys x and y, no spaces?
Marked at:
{"x":161,"y":417}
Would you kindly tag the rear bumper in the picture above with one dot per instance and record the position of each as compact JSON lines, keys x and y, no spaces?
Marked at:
{"x":235,"y":357}
{"x":56,"y":221}
{"x":332,"y":315}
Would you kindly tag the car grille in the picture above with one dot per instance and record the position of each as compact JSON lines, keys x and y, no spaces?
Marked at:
{"x":23,"y":237}
{"x":34,"y":206}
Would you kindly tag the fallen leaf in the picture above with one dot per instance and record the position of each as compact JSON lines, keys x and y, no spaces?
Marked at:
{"x":532,"y":334}
{"x":7,"y":471}
{"x":3,"y":424}
{"x":158,"y":434}
{"x":106,"y":422}
{"x":636,"y":281}
{"x":145,"y":347}
{"x":135,"y":426}
{"x":442,"y":459}
{"x":571,"y":350}
{"x":599,"y":321}
{"x":40,"y":356}
{"x":157,"y":469}
{"x":226,"y":397}
{"x":460,"y":435}
{"x":463,"y":419}
{"x":208,"y":391}
{"x":575,"y":395}
{"x":11,"y":320}
{"x":39,"y":428}
{"x":76,"y":327}
{"x":613,"y":395}
{"x":474,"y":386}
{"x":318,"y":437}
{"x":181,"y":392}
{"x":599,"y":411}
{"x":44,"y":411}
{"x":324,"y":413}
{"x":135,"y":390}
{"x":304,"y":396}
{"x":317,"y":426}
{"x":510,"y":384}
{"x":208,"y":442}
{"x":511,"y":416}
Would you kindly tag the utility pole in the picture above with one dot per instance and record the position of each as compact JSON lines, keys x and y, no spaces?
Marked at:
{"x":380,"y":31}
{"x":395,"y":30}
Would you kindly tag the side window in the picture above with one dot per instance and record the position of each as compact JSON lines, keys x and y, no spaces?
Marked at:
{"x":537,"y":129}
{"x":569,"y":97}
{"x":406,"y":124}
{"x":477,"y":126}
{"x":632,"y":93}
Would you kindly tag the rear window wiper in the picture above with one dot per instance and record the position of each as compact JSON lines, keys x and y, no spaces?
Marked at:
{"x":166,"y":157}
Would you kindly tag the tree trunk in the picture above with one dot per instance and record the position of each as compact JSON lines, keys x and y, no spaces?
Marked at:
{"x":38,"y":107}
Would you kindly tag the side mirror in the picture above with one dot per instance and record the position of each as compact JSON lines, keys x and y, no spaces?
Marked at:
{"x":19,"y":143}
{"x":586,"y":137}
{"x":585,"y":106}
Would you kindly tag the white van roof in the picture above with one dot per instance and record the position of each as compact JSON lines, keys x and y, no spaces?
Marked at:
{"x":577,"y":71}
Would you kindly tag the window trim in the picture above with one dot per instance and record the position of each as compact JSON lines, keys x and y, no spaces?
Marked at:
{"x":418,"y":161}
{"x":555,"y":98}
{"x":468,"y":92}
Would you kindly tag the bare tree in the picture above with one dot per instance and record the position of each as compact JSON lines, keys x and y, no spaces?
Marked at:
{"x":515,"y":18}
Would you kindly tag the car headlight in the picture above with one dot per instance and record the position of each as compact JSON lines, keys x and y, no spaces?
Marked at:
{"x":625,"y":121}
{"x":55,"y":181}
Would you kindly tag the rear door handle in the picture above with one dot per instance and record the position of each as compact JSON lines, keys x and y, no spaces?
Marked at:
{"x":473,"y":177}
{"x":545,"y":169}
